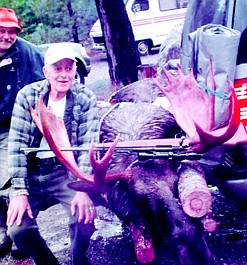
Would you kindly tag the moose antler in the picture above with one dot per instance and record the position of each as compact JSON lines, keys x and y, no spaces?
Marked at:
{"x":205,"y":140}
{"x":193,"y":109}
{"x":55,"y":133}
{"x":100,"y":166}
{"x":189,"y":103}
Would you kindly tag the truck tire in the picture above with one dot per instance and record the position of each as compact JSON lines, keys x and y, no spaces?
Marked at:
{"x":80,"y":75}
{"x":144,"y":47}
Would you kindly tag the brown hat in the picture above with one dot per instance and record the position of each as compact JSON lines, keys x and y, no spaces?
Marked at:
{"x":8,"y":18}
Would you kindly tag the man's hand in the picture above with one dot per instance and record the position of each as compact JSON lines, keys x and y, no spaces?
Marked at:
{"x":17,"y":207}
{"x":85,"y":207}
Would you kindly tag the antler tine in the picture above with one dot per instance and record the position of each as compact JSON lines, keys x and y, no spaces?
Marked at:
{"x":207,"y":141}
{"x":159,"y":85}
{"x":100,"y":166}
{"x":170,"y":77}
{"x":180,"y":72}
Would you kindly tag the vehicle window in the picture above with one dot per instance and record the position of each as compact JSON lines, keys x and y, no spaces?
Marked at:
{"x":168,"y":4}
{"x":183,"y":3}
{"x":140,"y":5}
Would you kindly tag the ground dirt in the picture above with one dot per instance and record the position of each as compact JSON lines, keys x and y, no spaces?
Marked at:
{"x":111,"y":243}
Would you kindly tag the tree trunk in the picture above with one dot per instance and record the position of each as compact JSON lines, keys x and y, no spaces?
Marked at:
{"x":73,"y":16}
{"x":122,"y":54}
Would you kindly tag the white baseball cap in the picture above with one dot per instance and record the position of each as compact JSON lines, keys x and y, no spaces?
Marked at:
{"x":59,"y":51}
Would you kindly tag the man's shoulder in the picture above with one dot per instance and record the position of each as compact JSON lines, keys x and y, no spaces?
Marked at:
{"x":26,"y":46}
{"x":80,"y":89}
{"x":39,"y":86}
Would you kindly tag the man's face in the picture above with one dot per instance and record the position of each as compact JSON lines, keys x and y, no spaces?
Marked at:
{"x":60,"y":76}
{"x":7,"y":38}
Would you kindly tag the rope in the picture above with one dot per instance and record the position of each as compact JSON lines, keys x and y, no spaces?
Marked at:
{"x":215,"y":93}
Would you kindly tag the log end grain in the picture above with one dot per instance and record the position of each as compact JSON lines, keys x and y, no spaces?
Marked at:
{"x":196,"y":202}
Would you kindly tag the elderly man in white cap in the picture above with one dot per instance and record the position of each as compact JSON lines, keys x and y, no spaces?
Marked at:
{"x":20,"y":64}
{"x":39,"y":181}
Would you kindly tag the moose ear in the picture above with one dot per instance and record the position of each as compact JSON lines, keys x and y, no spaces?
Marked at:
{"x":94,"y":191}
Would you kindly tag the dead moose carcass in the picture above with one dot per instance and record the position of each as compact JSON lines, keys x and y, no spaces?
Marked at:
{"x":149,"y":203}
{"x":145,"y":194}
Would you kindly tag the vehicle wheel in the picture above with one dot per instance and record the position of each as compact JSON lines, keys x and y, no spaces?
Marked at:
{"x":80,"y":76}
{"x":143,"y":47}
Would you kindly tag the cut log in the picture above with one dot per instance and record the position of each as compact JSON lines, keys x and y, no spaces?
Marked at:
{"x":209,"y":224}
{"x":146,"y":71}
{"x":193,"y":191}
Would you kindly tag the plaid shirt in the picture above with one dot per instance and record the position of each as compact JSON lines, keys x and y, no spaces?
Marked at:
{"x":81,"y":121}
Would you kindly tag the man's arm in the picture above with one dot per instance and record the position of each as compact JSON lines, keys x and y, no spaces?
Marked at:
{"x":18,"y":205}
{"x":19,"y":136}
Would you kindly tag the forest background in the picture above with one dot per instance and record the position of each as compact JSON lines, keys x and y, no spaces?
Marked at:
{"x":47,"y":21}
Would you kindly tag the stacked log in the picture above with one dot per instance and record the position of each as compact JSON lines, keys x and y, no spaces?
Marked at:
{"x":194,"y":194}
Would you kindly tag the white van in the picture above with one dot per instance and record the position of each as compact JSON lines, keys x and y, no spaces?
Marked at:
{"x":151,"y":22}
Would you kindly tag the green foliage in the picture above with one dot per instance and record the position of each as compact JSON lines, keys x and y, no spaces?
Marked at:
{"x":50,"y":21}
